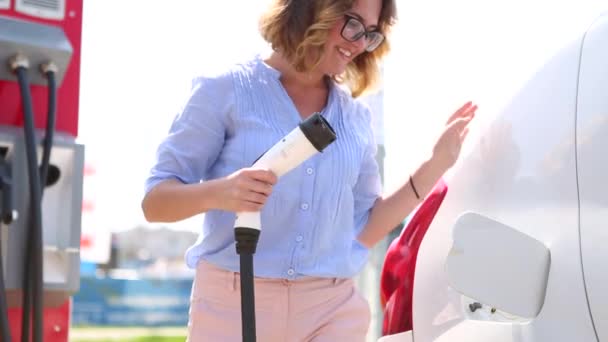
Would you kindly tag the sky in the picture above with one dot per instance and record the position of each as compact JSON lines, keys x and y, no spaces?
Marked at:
{"x":138,"y":58}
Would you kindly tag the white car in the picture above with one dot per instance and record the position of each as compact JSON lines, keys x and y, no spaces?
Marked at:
{"x":517,"y":247}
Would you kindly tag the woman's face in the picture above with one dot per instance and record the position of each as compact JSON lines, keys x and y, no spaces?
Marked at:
{"x":339,"y":51}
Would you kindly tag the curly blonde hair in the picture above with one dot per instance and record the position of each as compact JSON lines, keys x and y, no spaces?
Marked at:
{"x":299,"y":29}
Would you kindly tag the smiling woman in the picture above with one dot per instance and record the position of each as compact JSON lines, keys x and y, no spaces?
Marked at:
{"x":320,"y":219}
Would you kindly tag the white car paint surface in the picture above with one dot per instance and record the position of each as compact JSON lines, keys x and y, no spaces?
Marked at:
{"x":532,"y":164}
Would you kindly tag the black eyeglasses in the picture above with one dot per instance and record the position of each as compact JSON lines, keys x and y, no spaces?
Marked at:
{"x":354,"y":29}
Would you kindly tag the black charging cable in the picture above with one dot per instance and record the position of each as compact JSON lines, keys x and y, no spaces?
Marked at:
{"x":246,"y":242}
{"x":49,"y":70}
{"x":311,"y":136}
{"x":33,"y":282}
{"x":7,"y":217}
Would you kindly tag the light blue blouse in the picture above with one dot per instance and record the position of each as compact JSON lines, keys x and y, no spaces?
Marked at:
{"x":311,"y":220}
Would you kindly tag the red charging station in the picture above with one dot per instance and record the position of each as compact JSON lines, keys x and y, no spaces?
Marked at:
{"x":39,"y":235}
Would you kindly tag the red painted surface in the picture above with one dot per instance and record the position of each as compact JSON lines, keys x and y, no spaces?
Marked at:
{"x":397,"y":278}
{"x":67,"y":92}
{"x":56,"y":323}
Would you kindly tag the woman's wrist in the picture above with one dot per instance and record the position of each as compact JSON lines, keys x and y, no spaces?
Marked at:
{"x":209,"y":195}
{"x":427,"y":175}
{"x":439,"y":163}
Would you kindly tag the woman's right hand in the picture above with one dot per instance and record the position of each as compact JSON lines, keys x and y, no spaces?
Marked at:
{"x":246,"y":190}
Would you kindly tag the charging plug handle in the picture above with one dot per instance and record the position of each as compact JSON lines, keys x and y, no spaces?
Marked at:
{"x":246,"y":240}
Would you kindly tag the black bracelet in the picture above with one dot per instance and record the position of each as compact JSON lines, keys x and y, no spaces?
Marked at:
{"x":414,"y":188}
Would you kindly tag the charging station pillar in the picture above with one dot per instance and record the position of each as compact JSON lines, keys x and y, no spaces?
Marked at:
{"x":41,"y":32}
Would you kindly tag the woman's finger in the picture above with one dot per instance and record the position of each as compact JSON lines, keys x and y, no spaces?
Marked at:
{"x":265,"y":176}
{"x":249,"y":206}
{"x":460,"y":111}
{"x":467,"y":112}
{"x":459,"y":124}
{"x":255,"y":197}
{"x":260,"y":187}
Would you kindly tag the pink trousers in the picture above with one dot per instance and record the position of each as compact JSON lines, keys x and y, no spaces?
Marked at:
{"x":308,"y":309}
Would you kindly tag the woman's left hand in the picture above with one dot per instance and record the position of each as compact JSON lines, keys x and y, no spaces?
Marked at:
{"x":448,"y":146}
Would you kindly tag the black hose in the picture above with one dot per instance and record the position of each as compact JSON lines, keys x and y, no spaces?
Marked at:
{"x":5,"y":188}
{"x":246,"y":244}
{"x":50,"y":129}
{"x":5,"y":328}
{"x":32,"y":285}
{"x":247,"y":299}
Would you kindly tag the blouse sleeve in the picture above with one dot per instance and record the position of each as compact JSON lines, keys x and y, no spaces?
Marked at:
{"x":196,"y":135}
{"x":368,"y":187}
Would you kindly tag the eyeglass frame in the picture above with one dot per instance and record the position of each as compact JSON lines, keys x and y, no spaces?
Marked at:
{"x":364,"y":33}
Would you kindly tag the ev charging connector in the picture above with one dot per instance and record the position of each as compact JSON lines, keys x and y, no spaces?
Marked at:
{"x":311,"y":136}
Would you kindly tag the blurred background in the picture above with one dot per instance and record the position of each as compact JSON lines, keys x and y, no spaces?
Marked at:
{"x":138,"y":58}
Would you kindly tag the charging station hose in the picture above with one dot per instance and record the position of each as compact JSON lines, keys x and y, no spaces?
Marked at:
{"x":246,"y":243}
{"x":5,"y":332}
{"x":311,"y":136}
{"x":6,"y":218}
{"x":32,"y":285}
{"x":49,"y":70}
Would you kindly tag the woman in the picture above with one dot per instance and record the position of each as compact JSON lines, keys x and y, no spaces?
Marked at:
{"x":320,"y":219}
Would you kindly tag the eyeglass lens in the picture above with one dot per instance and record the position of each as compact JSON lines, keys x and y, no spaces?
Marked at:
{"x":353,"y":30}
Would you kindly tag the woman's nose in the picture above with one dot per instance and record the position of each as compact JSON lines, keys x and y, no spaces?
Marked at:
{"x":360,"y":44}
